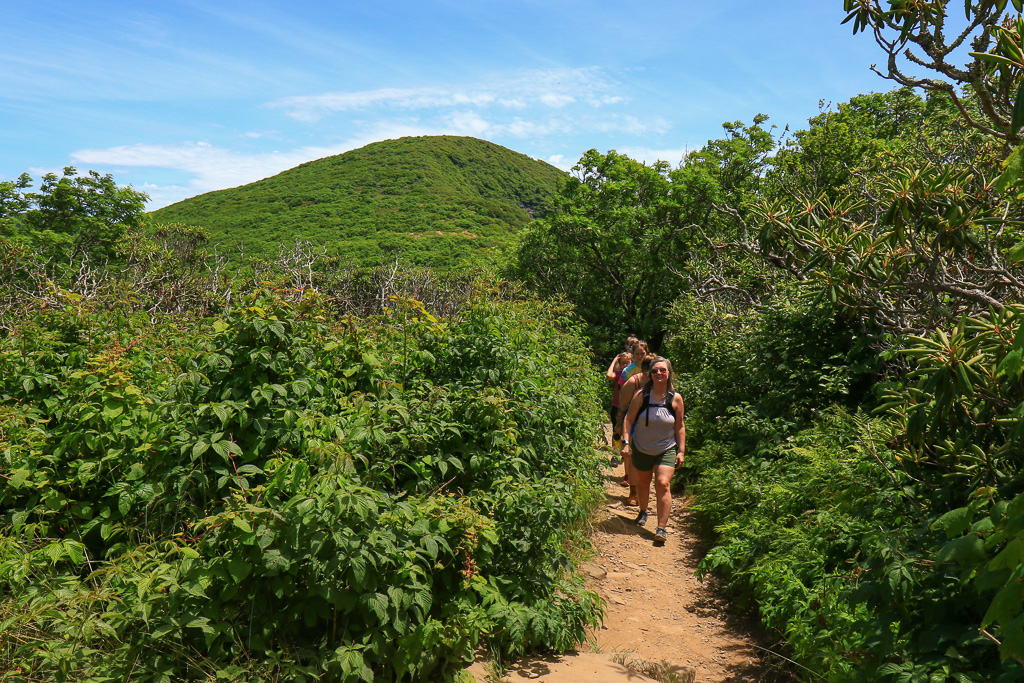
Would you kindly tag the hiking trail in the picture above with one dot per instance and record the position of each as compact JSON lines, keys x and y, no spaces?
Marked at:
{"x":659,"y":617}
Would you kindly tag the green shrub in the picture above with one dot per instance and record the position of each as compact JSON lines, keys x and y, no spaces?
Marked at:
{"x":270,"y":495}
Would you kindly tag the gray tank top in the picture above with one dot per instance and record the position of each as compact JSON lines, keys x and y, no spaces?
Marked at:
{"x":660,"y":434}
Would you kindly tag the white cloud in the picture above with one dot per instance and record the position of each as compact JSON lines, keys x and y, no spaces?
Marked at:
{"x":556,"y":88}
{"x":556,"y":99}
{"x":311,"y":108}
{"x":633,"y":125}
{"x":210,"y":167}
{"x":469,"y":123}
{"x":649,"y":156}
{"x":559,"y":161}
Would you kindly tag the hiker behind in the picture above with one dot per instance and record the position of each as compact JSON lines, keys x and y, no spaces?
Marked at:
{"x":658,"y":442}
{"x":633,"y":385}
{"x":639,"y":352}
{"x":614,"y":373}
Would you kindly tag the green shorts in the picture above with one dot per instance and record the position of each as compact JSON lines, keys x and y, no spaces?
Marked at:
{"x":646,"y":463}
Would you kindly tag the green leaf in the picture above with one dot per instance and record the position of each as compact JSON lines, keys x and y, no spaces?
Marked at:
{"x":239,"y":569}
{"x":242,"y":524}
{"x":201,"y":623}
{"x":955,"y":522}
{"x":1007,"y":604}
{"x":1017,"y":120}
{"x":1011,"y":364}
{"x":998,"y":60}
{"x":274,"y":561}
{"x":378,"y":604}
{"x":966,"y":551}
{"x":75,"y":551}
{"x":113,"y":409}
{"x":19,"y":477}
{"x":1010,"y":557}
{"x":1013,"y":639}
{"x":1013,"y":169}
{"x":1016,"y":252}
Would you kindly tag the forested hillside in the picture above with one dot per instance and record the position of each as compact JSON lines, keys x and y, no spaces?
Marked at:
{"x":843,"y":307}
{"x":442,"y":202}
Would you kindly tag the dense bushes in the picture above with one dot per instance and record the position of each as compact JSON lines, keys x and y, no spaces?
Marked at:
{"x":750,"y":376}
{"x":269,"y":495}
{"x":875,"y":548}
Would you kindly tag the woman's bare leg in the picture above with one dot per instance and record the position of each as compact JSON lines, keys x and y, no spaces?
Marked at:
{"x":663,"y":492}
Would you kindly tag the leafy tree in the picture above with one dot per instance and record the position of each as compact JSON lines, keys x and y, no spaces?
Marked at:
{"x":71,"y":216}
{"x":607,"y":247}
{"x":922,"y":35}
{"x":625,"y":238}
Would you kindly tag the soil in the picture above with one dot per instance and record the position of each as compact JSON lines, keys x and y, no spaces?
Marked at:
{"x":659,"y":618}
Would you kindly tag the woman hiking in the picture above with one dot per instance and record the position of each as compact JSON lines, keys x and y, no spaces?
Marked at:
{"x":633,"y":385}
{"x":614,"y":374}
{"x":657,"y":444}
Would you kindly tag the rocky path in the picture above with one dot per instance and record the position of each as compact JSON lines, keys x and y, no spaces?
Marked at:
{"x":659,"y":620}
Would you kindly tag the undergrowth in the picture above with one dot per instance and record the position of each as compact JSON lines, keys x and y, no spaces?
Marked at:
{"x":272,"y":494}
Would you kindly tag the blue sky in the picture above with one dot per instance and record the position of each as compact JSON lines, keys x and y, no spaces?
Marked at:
{"x":178,"y":98}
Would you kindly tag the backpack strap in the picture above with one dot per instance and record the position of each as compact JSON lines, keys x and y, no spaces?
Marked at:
{"x":670,"y":397}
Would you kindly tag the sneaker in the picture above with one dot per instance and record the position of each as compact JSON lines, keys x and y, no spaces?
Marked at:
{"x":641,"y":519}
{"x":660,"y":535}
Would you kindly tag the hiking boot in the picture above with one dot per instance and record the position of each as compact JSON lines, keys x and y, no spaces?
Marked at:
{"x":660,"y":536}
{"x":641,"y":519}
{"x":632,"y":496}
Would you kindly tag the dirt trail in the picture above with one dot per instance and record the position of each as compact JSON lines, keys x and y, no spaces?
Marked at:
{"x":657,"y":611}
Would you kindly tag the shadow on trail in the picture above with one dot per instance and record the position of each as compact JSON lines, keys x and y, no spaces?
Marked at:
{"x":624,"y":526}
{"x":770,"y":667}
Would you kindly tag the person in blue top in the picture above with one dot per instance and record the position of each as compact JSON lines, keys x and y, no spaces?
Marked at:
{"x":657,"y":444}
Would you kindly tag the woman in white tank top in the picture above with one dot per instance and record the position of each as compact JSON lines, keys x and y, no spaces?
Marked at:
{"x":659,"y":439}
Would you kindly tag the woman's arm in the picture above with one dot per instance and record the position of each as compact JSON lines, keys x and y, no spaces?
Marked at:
{"x":627,"y":422}
{"x":614,"y":369}
{"x":677,"y":404}
{"x":628,"y":390}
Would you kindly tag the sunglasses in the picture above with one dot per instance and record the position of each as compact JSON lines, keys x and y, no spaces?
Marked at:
{"x":659,"y":371}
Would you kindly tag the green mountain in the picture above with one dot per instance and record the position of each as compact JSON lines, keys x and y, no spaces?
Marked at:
{"x":442,"y":201}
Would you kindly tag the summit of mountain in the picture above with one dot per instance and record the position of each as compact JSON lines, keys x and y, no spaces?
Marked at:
{"x":440,"y":201}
